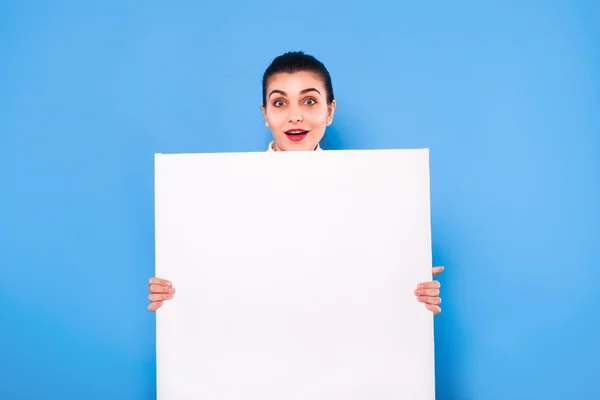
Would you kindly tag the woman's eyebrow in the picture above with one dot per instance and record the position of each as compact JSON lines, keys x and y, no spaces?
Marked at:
{"x":281,"y":92}
{"x":310,"y":90}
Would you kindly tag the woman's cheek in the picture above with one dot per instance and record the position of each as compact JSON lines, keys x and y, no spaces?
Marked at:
{"x":276,"y":119}
{"x":318,"y":116}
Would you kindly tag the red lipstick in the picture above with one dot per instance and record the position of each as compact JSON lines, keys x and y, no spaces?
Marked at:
{"x":296,"y":135}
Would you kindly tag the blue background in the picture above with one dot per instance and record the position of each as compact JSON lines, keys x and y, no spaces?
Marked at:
{"x":506,"y":94}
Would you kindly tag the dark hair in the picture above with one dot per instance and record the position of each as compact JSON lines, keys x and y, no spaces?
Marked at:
{"x":296,"y":61}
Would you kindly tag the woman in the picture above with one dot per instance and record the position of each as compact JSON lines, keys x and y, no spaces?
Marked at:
{"x":297,"y":104}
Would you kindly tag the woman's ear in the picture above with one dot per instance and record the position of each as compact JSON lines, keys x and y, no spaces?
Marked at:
{"x":264,"y":111}
{"x":331,"y":112}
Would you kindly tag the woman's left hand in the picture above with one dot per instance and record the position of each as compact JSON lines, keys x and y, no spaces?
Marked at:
{"x":429,"y":293}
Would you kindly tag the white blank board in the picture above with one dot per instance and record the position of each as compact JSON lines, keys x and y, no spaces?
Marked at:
{"x":295,"y":275}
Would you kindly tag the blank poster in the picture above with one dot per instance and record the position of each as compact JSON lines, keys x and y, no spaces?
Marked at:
{"x":295,"y":275}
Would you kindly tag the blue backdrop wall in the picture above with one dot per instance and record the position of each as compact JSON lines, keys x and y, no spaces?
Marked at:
{"x":505,"y":94}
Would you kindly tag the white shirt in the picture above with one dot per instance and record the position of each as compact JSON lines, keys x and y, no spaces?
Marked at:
{"x":271,"y":147}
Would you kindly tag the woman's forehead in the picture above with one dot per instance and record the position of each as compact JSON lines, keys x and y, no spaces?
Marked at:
{"x":295,"y":82}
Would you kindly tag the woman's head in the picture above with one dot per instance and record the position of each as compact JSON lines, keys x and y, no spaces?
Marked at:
{"x":298,"y":101}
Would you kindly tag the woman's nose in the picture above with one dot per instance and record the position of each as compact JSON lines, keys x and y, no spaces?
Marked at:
{"x":295,"y":116}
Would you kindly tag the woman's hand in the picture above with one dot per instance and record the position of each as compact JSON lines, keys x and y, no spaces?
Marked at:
{"x":426,"y":292}
{"x":429,"y":293}
{"x":160,"y":290}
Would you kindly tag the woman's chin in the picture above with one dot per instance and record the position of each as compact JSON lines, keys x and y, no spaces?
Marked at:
{"x":295,"y":143}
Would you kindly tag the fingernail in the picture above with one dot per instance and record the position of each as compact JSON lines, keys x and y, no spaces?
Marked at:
{"x":169,"y":296}
{"x":171,"y":290}
{"x":418,"y":292}
{"x":420,"y":285}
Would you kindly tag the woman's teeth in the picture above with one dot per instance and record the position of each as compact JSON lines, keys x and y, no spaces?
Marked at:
{"x":296,"y":132}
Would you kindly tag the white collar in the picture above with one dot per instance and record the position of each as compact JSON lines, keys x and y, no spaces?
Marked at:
{"x":271,"y":148}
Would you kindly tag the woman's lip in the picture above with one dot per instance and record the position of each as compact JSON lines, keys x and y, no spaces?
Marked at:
{"x":291,"y":131}
{"x":297,"y":138}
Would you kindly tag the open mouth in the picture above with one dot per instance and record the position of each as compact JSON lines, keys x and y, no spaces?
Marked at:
{"x":296,"y":135}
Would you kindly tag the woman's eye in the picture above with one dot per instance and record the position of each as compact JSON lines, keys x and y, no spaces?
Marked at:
{"x":310,"y":102}
{"x":279,"y":103}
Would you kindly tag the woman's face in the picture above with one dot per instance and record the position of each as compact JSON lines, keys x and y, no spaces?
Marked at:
{"x":296,"y":110}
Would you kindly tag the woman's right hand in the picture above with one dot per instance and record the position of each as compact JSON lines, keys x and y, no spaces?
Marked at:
{"x":160,"y":290}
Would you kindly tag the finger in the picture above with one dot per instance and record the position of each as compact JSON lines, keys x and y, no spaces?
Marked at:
{"x":159,"y":281}
{"x":155,"y":306}
{"x":434,"y":309}
{"x":429,"y":285}
{"x":437,"y":270}
{"x":429,"y":300}
{"x":160,"y":297}
{"x":427,"y":292}
{"x":161,"y":289}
